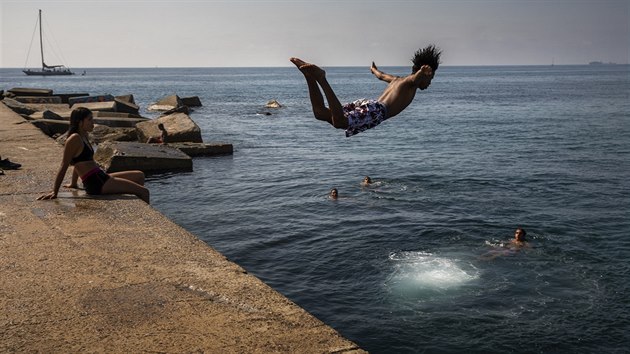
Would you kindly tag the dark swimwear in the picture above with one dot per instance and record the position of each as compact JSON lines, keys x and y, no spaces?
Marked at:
{"x":87,"y":154}
{"x":94,"y":180}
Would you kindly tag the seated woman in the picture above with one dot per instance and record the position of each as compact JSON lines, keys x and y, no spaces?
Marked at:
{"x":79,"y":153}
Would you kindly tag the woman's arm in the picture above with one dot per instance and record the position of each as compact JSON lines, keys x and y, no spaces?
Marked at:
{"x":75,"y":179}
{"x":71,"y":149}
{"x":381,"y":75}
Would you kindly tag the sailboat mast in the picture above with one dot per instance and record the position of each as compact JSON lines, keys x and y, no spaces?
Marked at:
{"x":41,"y":43}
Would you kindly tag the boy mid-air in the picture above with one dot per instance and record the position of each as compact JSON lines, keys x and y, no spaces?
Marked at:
{"x":364,"y":114}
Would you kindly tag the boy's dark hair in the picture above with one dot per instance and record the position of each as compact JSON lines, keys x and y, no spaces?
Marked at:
{"x":428,"y":56}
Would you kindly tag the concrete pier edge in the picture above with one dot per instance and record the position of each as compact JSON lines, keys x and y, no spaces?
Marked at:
{"x":112,"y":274}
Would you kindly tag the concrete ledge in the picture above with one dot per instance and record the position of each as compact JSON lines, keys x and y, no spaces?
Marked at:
{"x":109,"y":106}
{"x":115,"y":156}
{"x":201,"y":149}
{"x":38,"y":99}
{"x":111,"y":274}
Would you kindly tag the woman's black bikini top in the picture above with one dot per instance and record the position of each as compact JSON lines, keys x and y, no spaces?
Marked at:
{"x":87,"y":154}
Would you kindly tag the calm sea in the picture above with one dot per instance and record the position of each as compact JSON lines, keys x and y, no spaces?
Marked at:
{"x":397,"y":267}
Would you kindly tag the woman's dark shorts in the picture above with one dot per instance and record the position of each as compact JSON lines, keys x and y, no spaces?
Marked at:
{"x":94,"y":180}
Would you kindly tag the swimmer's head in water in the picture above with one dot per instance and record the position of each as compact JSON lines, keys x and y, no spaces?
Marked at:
{"x":367,"y":180}
{"x":519,"y":234}
{"x":333,"y":193}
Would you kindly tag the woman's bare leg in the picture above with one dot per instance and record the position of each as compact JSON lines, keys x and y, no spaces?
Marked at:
{"x":315,"y":75}
{"x":117,"y":185}
{"x":134,"y":176}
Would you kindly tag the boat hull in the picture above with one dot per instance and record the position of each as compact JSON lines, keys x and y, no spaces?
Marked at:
{"x":47,"y":73}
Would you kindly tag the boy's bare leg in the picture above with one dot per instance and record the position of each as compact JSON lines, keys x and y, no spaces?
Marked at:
{"x":320,"y":110}
{"x":315,"y":75}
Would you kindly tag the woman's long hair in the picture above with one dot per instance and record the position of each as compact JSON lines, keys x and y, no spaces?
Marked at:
{"x":78,"y":115}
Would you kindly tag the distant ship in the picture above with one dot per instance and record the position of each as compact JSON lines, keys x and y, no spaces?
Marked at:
{"x":601,"y":63}
{"x":47,"y":70}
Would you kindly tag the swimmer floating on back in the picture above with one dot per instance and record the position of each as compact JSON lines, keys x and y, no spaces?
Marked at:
{"x":361,"y":115}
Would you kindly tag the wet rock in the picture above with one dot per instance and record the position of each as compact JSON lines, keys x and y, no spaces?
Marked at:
{"x":273,"y":104}
{"x":179,"y":126}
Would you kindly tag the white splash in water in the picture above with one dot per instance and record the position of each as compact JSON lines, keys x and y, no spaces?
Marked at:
{"x":425,"y":271}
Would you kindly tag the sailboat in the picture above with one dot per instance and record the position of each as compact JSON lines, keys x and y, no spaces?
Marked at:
{"x":47,"y":70}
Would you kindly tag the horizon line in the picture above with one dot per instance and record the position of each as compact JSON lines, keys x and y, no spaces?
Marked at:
{"x":327,"y":66}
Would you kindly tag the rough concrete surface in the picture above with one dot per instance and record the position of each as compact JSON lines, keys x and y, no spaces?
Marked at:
{"x":111,"y":274}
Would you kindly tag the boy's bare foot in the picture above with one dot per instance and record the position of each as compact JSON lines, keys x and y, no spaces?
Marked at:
{"x":373,"y":68}
{"x":308,"y":69}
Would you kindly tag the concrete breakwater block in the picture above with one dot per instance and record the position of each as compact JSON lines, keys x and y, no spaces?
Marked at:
{"x":167,"y":103}
{"x":109,"y":106}
{"x":102,"y":133}
{"x":51,"y":127}
{"x":200,"y":149}
{"x":112,"y":119}
{"x":67,"y":96}
{"x":59,"y":108}
{"x":38,"y":99}
{"x":126,"y":107}
{"x":50,"y":115}
{"x":87,"y":99}
{"x":192,"y":101}
{"x":126,"y":98}
{"x":116,"y":122}
{"x":117,"y":156}
{"x":180,"y":128}
{"x":117,"y":115}
{"x":25,"y":91}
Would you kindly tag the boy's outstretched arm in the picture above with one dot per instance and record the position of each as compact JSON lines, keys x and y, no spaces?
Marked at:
{"x":381,"y":75}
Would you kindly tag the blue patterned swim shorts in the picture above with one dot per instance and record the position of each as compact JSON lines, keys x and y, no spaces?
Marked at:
{"x":363,"y":114}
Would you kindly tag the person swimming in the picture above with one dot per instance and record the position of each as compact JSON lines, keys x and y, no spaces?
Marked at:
{"x":516,"y":244}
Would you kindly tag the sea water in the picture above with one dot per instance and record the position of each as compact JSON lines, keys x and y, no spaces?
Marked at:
{"x":398,"y":266}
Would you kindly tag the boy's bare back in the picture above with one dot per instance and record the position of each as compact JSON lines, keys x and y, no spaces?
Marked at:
{"x":401,"y":90}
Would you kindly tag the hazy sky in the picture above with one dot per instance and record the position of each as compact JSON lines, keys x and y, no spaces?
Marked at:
{"x":149,"y":33}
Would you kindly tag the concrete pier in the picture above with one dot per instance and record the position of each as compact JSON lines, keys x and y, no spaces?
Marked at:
{"x":112,"y":274}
